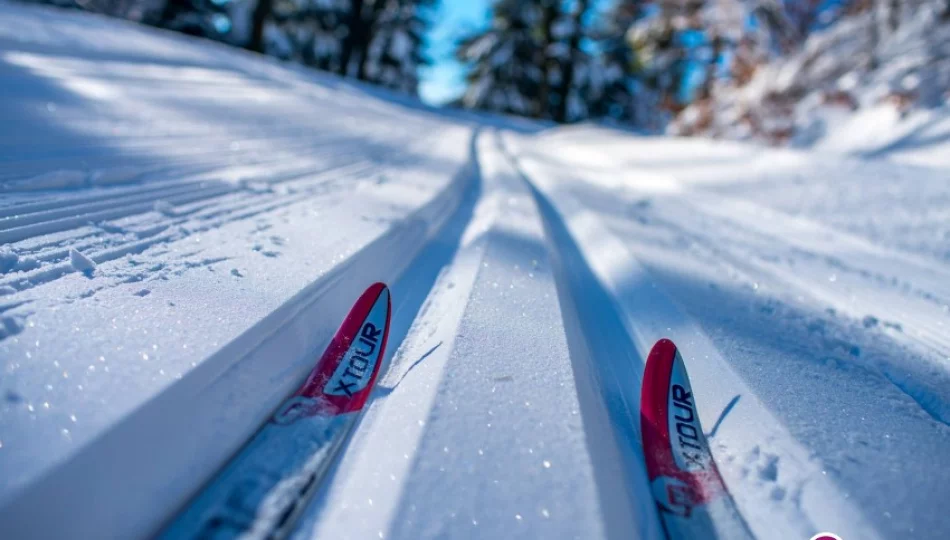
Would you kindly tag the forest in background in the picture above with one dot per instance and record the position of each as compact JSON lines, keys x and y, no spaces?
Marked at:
{"x":728,"y":68}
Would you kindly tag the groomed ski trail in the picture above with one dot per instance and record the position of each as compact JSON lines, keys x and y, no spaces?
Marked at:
{"x":455,"y":373}
{"x":173,"y":261}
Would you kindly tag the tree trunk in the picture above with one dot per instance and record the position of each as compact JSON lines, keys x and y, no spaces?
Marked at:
{"x":548,"y":15}
{"x":717,"y":46}
{"x":877,"y":7}
{"x":567,"y":81}
{"x":354,"y":24}
{"x":258,"y":18}
{"x":893,"y":16}
{"x":368,"y":32}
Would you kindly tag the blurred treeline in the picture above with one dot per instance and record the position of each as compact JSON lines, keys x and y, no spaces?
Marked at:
{"x":643,"y":63}
{"x":639,"y":63}
{"x":378,"y":41}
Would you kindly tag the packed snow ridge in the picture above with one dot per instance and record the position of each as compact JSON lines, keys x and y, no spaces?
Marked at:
{"x":184,"y":226}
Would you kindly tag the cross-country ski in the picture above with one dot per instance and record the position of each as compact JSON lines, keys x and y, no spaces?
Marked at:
{"x":265,"y":487}
{"x":684,"y":479}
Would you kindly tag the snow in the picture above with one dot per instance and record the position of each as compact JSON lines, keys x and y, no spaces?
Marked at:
{"x":81,"y":263}
{"x":183,"y":227}
{"x":783,"y":285}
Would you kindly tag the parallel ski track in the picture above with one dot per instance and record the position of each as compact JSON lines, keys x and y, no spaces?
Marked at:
{"x":826,"y":265}
{"x":607,"y":371}
{"x":921,"y":301}
{"x":260,"y":153}
{"x":283,"y":342}
{"x":601,"y":266}
{"x":106,"y":223}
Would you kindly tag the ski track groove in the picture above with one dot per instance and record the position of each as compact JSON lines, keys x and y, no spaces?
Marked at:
{"x":320,"y":148}
{"x":110,"y":246}
{"x":46,"y":212}
{"x":633,"y":291}
{"x":610,"y":401}
{"x":810,"y":277}
{"x":47,"y":274}
{"x":841,"y":250}
{"x":174,"y":154}
{"x":204,"y":171}
{"x":305,"y":176}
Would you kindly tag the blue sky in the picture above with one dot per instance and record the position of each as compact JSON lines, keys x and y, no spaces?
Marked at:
{"x":443,"y":81}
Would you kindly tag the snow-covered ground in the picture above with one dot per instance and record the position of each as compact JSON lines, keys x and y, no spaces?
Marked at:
{"x":183,"y":226}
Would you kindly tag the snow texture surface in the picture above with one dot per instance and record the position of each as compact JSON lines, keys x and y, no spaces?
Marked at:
{"x":183,"y":226}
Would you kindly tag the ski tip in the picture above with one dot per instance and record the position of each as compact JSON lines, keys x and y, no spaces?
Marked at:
{"x":681,"y":470}
{"x":345,"y":375}
{"x":656,"y":380}
{"x":662,"y":348}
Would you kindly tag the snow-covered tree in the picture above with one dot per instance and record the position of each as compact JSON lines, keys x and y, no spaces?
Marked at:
{"x":394,"y":54}
{"x":569,"y":103}
{"x":530,"y":61}
{"x":504,"y":72}
{"x":307,"y":31}
{"x":379,"y":41}
{"x":608,"y":81}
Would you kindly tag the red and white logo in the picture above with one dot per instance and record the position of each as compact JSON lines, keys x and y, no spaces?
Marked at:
{"x":682,"y":472}
{"x":344,"y":377}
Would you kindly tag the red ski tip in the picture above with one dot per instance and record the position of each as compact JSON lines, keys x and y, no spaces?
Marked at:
{"x":681,"y":470}
{"x":345,"y":375}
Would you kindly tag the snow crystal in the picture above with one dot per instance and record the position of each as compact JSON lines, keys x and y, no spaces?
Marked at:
{"x":80,"y":262}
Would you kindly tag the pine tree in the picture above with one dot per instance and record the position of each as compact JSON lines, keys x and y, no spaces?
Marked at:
{"x":660,"y":51}
{"x":359,"y":22}
{"x":394,"y":55}
{"x":530,"y":60}
{"x":311,"y":31}
{"x":573,"y":27}
{"x":610,"y":84}
{"x":259,"y":17}
{"x":505,"y":74}
{"x":547,"y":58}
{"x":378,"y":41}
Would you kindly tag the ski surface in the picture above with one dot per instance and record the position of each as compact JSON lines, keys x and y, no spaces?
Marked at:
{"x":261,"y":492}
{"x":689,"y":492}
